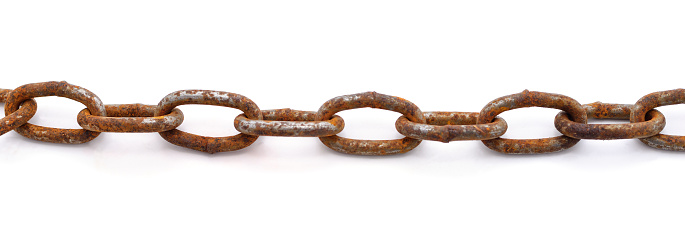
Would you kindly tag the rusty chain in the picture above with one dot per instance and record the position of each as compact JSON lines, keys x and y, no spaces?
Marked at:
{"x":645,"y":124}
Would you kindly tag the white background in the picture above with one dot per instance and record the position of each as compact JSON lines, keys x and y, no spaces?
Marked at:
{"x":136,"y":192}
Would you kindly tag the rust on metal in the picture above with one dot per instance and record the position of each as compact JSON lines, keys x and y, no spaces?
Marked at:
{"x":654,"y":100}
{"x":289,"y":123}
{"x":653,"y":126}
{"x":61,"y":89}
{"x":532,"y":99}
{"x":12,"y":121}
{"x":599,"y":110}
{"x":3,"y":94}
{"x":208,"y":97}
{"x":646,"y":122}
{"x":370,"y":100}
{"x":451,"y":126}
{"x":130,"y":118}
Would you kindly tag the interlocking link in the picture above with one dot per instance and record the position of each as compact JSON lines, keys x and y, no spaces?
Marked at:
{"x":646,"y":123}
{"x":289,"y":123}
{"x":61,"y":89}
{"x":532,"y":99}
{"x":129,"y":118}
{"x":26,"y":111}
{"x":208,"y":97}
{"x":370,"y":100}
{"x":451,"y":126}
{"x":651,"y":101}
{"x":599,"y":110}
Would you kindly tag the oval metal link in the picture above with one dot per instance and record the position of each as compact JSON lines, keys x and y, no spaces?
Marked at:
{"x":130,"y":118}
{"x":532,"y":99}
{"x":12,"y":121}
{"x":289,"y":123}
{"x":370,"y":100}
{"x":451,"y":126}
{"x":573,"y":129}
{"x":61,"y":89}
{"x":654,"y":100}
{"x":208,"y":97}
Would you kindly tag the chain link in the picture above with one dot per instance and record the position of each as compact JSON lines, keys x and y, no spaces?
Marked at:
{"x":208,"y":97}
{"x":289,"y":123}
{"x":646,"y":122}
{"x":128,"y":118}
{"x":532,"y":99}
{"x":61,"y":89}
{"x":651,"y":101}
{"x":599,"y":110}
{"x":370,"y":100}
{"x":451,"y":126}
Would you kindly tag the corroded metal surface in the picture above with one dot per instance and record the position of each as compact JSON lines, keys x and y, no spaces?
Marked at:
{"x":370,"y":100}
{"x":646,"y":121}
{"x":370,"y":147}
{"x":656,"y":123}
{"x":651,"y":101}
{"x":61,"y":89}
{"x":3,"y":94}
{"x":207,"y":97}
{"x":17,"y":118}
{"x":451,"y":126}
{"x":532,"y":99}
{"x":130,"y":118}
{"x":599,"y":110}
{"x":289,"y":123}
